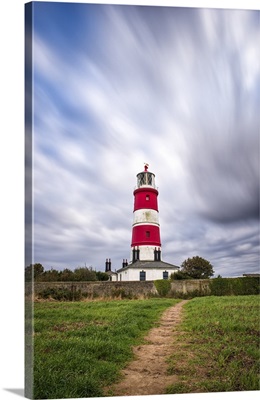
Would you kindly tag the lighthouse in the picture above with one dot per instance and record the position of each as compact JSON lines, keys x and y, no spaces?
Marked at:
{"x":146,"y":240}
{"x":146,"y":263}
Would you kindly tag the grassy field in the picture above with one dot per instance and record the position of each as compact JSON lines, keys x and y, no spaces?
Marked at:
{"x":80,"y":347}
{"x":218,"y":346}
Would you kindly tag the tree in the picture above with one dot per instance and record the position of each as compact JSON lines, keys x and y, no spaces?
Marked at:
{"x":38,"y":270}
{"x":197,"y":268}
{"x":66,"y":275}
{"x":84,"y":274}
{"x":52,"y":275}
{"x":101,"y":276}
{"x":33,"y":270}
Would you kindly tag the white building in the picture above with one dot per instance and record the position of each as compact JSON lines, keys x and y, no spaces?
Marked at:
{"x":146,"y":271}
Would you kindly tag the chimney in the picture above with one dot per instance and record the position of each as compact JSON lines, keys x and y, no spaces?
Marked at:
{"x":133,"y":256}
{"x":106,"y":265}
{"x":155,"y":254}
{"x":109,"y":264}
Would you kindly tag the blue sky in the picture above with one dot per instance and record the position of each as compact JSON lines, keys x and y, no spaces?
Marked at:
{"x":118,"y":86}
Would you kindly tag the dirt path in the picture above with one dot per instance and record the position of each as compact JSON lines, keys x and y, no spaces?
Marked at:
{"x":147,"y":374}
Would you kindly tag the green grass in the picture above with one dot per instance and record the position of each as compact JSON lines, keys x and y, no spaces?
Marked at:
{"x":80,"y":347}
{"x":218,"y":346}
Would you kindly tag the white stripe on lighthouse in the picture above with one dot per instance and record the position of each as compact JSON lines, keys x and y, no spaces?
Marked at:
{"x":146,"y":253}
{"x":146,"y":216}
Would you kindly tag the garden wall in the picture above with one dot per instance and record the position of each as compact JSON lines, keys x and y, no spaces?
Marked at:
{"x":199,"y":286}
{"x":98,"y":289}
{"x":137,"y":289}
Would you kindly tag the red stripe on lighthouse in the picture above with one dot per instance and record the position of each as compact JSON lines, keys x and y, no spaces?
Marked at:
{"x":145,"y":198}
{"x":146,"y":235}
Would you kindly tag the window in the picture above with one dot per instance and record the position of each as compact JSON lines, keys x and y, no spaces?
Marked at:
{"x":147,"y":197}
{"x":147,"y":234}
{"x":165,"y":274}
{"x":141,"y":180}
{"x":142,"y":275}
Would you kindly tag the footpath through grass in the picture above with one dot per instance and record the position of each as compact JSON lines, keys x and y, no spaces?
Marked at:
{"x":80,"y":347}
{"x":218,"y":346}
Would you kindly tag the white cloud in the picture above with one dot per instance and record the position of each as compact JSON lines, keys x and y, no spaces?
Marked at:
{"x":178,"y":93}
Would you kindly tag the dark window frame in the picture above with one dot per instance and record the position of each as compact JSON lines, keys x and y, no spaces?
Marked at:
{"x":142,"y":276}
{"x":165,"y":275}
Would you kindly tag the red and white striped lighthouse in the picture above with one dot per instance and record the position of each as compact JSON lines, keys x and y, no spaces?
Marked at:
{"x":146,"y":242}
{"x":146,"y":263}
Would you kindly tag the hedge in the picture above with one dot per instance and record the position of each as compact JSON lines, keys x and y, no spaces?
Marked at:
{"x":163,"y":287}
{"x":234,"y":286}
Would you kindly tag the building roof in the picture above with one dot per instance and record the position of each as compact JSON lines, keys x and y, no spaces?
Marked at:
{"x":149,"y":265}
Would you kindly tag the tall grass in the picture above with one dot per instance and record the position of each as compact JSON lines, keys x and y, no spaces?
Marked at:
{"x":80,"y":347}
{"x":218,"y":347}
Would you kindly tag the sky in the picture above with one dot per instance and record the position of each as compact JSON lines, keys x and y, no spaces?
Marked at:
{"x":117,"y":86}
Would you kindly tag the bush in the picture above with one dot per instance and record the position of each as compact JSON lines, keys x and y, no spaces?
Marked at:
{"x":234,"y":286}
{"x":179,"y":275}
{"x":163,"y":287}
{"x":61,"y":294}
